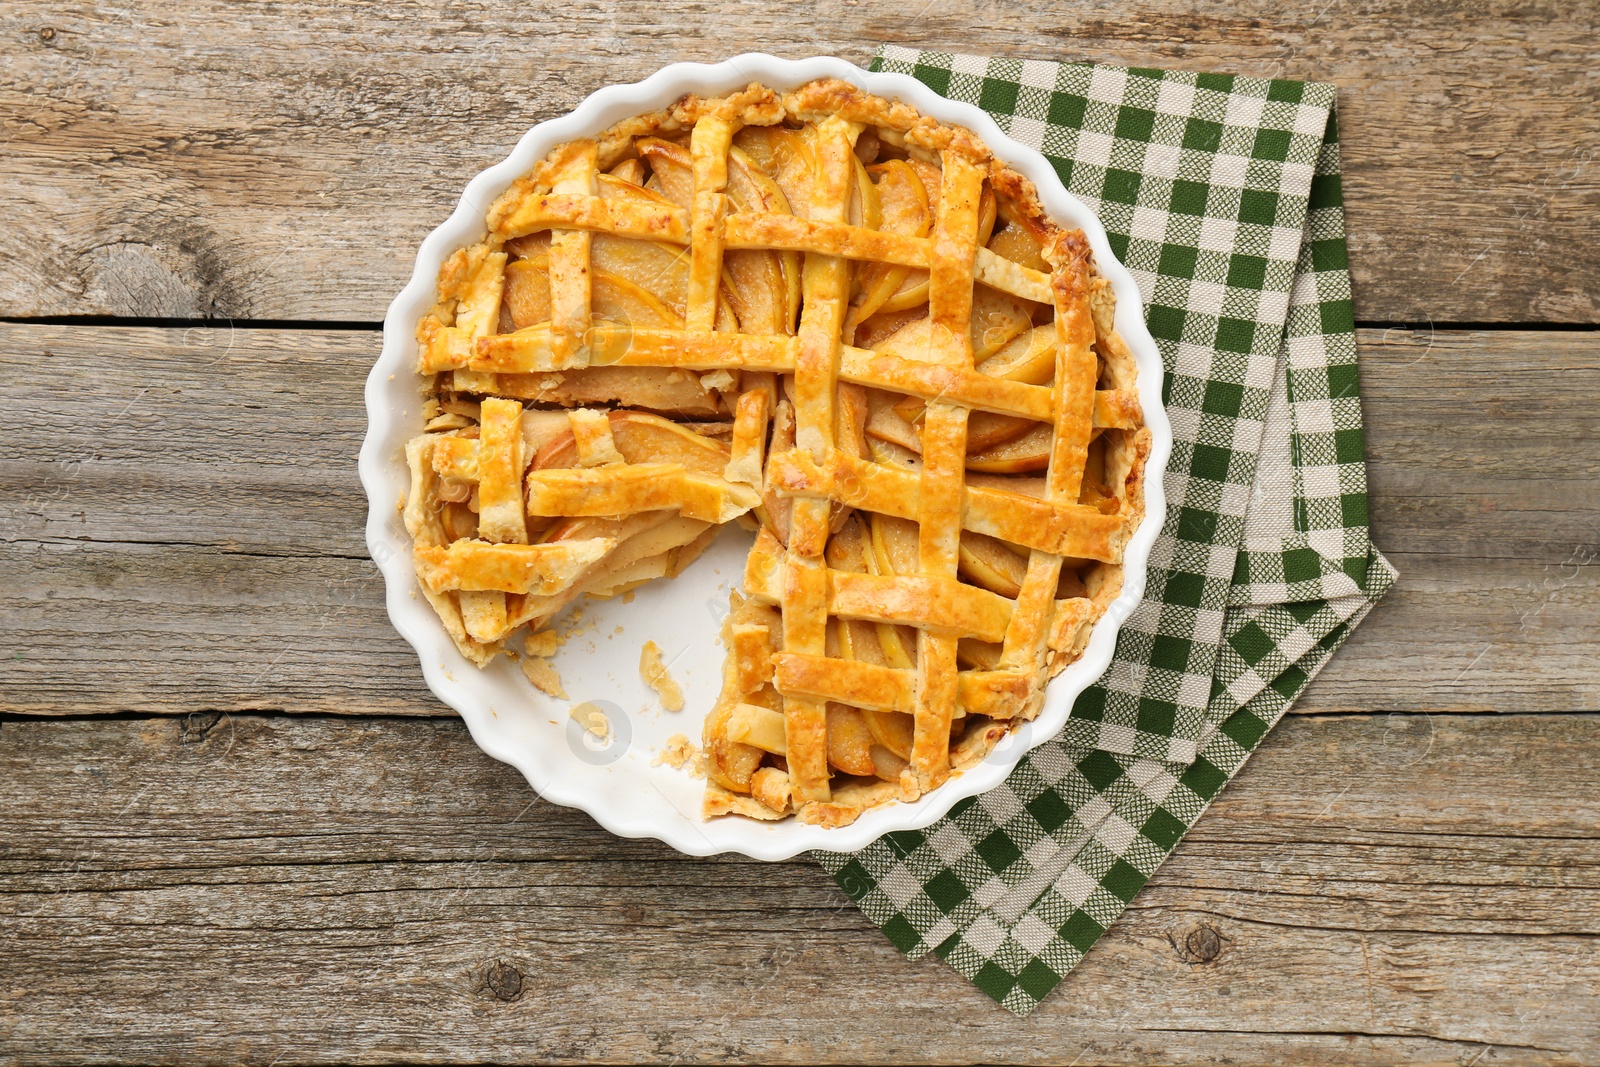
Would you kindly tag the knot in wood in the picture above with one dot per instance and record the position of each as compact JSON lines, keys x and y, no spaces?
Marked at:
{"x":197,"y":726}
{"x":47,"y":34}
{"x":504,"y":980}
{"x":1203,"y":944}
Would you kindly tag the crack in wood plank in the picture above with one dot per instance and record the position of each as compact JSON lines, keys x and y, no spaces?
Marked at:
{"x":228,"y":162}
{"x":334,"y":883}
{"x":135,"y":518}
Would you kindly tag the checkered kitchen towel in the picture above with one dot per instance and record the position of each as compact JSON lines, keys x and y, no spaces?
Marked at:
{"x":1221,"y":194}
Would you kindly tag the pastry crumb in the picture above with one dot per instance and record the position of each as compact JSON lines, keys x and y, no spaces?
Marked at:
{"x":627,"y":598}
{"x":589,"y":716}
{"x":542,"y":674}
{"x":655,"y":674}
{"x":575,"y":625}
{"x":679,"y":751}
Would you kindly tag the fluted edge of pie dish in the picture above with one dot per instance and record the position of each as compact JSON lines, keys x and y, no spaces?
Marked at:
{"x":382,"y":463}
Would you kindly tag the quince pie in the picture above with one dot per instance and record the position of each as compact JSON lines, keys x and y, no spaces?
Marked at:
{"x":839,"y":323}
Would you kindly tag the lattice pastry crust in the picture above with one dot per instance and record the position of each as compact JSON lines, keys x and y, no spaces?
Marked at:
{"x":840,"y":323}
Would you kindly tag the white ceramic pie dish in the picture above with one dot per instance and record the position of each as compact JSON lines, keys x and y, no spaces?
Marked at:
{"x":616,"y":782}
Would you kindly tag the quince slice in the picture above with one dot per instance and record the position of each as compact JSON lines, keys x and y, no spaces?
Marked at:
{"x":903,"y":207}
{"x":988,"y":562}
{"x":762,"y":286}
{"x":644,"y":438}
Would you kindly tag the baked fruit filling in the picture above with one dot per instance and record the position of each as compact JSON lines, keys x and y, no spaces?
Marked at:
{"x":840,"y":324}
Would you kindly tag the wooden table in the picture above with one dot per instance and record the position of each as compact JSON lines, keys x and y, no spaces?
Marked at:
{"x":236,"y":826}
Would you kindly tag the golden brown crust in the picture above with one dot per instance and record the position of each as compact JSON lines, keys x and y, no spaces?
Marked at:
{"x":757,"y":105}
{"x":1000,"y":425}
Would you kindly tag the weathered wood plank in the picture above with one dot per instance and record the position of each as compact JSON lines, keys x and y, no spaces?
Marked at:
{"x":180,"y":526}
{"x":1483,"y":458}
{"x":285,"y":162}
{"x":264,"y":889}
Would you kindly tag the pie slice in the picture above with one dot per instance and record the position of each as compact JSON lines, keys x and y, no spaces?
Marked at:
{"x":837,"y":322}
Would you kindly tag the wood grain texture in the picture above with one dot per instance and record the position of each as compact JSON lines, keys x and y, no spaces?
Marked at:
{"x":200,"y":159}
{"x":310,"y":890}
{"x":180,"y":526}
{"x":1483,"y":461}
{"x":180,"y":540}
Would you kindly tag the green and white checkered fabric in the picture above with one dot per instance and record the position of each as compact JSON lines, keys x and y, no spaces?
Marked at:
{"x":1222,"y":196}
